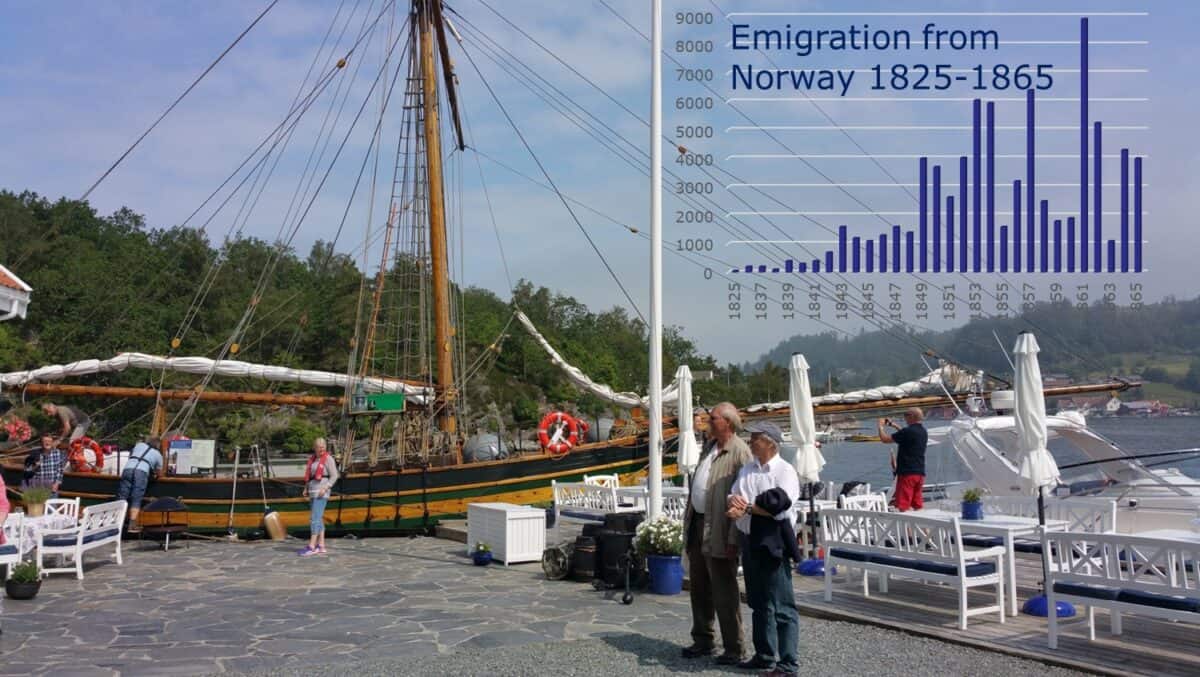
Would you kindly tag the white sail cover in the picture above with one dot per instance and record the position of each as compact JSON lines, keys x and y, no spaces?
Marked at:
{"x":204,"y":365}
{"x":1037,"y":465}
{"x":809,"y":460}
{"x":955,"y":380}
{"x":689,"y":449}
{"x":670,"y":394}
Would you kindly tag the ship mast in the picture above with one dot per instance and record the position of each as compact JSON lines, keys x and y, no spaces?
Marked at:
{"x":428,"y":12}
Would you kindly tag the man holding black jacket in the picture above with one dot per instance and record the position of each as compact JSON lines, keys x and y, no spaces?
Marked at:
{"x":761,"y":503}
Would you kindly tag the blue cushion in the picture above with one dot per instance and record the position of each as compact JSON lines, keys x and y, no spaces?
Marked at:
{"x":848,"y":554}
{"x":1093,"y":591}
{"x":582,"y":515}
{"x":1025,"y":545}
{"x":101,"y":535}
{"x":1161,"y":601}
{"x":946,"y":569}
{"x":8,"y":549}
{"x":63,"y":541}
{"x":982,"y":541}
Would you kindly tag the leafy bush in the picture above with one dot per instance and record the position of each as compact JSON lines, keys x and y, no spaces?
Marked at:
{"x":972,"y":496}
{"x":662,"y":536}
{"x":25,"y":572}
{"x":33,"y":495}
{"x":482,"y":547}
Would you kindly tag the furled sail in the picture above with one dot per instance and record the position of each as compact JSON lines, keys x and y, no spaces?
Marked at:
{"x":575,"y":375}
{"x":954,"y":379}
{"x":204,"y":365}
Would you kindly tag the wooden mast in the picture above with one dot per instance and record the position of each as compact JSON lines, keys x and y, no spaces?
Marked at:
{"x":443,"y":332}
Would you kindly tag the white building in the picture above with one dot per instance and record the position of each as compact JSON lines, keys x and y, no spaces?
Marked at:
{"x":14,"y":295}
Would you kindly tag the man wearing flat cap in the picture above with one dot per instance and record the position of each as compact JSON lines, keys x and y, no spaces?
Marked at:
{"x":761,"y":502}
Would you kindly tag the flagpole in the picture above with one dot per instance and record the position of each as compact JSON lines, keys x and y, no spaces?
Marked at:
{"x":654,"y":480}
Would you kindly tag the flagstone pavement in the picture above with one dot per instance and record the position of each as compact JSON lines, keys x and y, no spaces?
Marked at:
{"x":375,"y":606}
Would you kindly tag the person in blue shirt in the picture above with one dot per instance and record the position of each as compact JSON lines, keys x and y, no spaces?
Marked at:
{"x":145,"y":462}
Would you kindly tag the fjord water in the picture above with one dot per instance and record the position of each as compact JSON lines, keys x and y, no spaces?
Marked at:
{"x":868,"y":462}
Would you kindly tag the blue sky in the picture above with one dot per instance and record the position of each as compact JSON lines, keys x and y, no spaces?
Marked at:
{"x":79,"y":81}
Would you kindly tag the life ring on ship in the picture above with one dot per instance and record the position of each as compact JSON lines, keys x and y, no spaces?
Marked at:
{"x":558,"y":433}
{"x":78,"y":460}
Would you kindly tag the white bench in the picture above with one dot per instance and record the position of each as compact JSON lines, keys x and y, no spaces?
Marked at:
{"x":100,"y":525}
{"x":1122,"y":573}
{"x":613,"y":480}
{"x":906,"y":545}
{"x":582,"y":502}
{"x":875,"y":502}
{"x":14,"y":531}
{"x":1091,"y":515}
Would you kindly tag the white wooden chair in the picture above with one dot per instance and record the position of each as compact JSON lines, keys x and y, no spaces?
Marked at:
{"x":100,"y":525}
{"x":876,"y":502}
{"x":63,"y":507}
{"x":14,"y":531}
{"x":611,"y":481}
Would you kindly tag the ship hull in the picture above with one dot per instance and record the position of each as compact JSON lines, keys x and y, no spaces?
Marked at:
{"x":369,"y":502}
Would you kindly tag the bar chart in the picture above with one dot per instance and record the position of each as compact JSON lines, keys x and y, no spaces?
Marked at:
{"x":969,"y":219}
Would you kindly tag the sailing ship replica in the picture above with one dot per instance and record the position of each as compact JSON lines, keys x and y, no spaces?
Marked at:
{"x":401,"y":443}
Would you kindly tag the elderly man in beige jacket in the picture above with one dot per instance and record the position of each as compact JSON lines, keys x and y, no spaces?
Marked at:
{"x":712,"y":540}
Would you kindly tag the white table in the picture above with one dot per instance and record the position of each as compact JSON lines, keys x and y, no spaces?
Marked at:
{"x":1008,"y":528}
{"x":1172,"y":535}
{"x":515,"y":533}
{"x":32,"y":526}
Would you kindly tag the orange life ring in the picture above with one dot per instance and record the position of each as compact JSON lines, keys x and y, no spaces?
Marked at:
{"x":565,"y":433}
{"x":78,"y":461}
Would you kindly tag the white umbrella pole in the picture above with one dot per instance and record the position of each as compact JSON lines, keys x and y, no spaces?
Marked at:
{"x":656,"y":444}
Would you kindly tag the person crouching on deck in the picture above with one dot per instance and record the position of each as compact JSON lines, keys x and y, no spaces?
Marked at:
{"x":320,"y":473}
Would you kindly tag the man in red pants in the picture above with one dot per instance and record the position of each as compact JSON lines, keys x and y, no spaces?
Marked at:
{"x":910,"y":458}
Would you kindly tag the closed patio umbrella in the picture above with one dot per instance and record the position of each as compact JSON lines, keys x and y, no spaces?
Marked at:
{"x":1038,"y":469}
{"x":689,"y":450}
{"x":809,"y":460}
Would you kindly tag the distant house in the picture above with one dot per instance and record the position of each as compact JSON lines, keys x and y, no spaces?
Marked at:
{"x":1056,"y":380}
{"x":1144,"y":408}
{"x":14,"y":295}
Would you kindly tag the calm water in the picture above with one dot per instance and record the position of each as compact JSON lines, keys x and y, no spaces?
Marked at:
{"x":867,"y":462}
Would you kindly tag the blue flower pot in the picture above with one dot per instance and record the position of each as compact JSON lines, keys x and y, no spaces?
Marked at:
{"x":481,"y":559}
{"x":666,"y":574}
{"x":972,"y":511}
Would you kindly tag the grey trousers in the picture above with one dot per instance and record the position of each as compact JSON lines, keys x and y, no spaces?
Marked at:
{"x":713,"y":586}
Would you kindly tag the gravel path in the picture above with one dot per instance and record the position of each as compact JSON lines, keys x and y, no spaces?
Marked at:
{"x":827,"y":647}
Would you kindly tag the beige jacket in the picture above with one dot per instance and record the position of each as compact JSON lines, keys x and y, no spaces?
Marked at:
{"x":718,"y":529}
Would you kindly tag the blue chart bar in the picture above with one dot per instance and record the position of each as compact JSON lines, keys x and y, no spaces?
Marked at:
{"x":1083,"y":155}
{"x":991,"y":187}
{"x":801,"y":267}
{"x":937,"y":219}
{"x":1016,"y":231}
{"x":895,"y":249}
{"x":1124,"y":210}
{"x":1004,"y":249}
{"x":1097,"y":182}
{"x":1030,"y":203}
{"x":923,"y":210}
{"x":1038,"y":243}
{"x":1058,"y":245}
{"x":1137,"y":215}
{"x":1071,"y":244}
{"x":1045,"y":241}
{"x":962,"y":214}
{"x":976,"y":189}
{"x":950,"y":234}
{"x":841,"y":250}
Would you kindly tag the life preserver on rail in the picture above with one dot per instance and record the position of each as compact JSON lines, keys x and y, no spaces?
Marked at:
{"x":558,"y":433}
{"x":77,"y":459}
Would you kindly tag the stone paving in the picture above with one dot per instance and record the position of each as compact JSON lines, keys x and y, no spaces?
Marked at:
{"x":378,"y":606}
